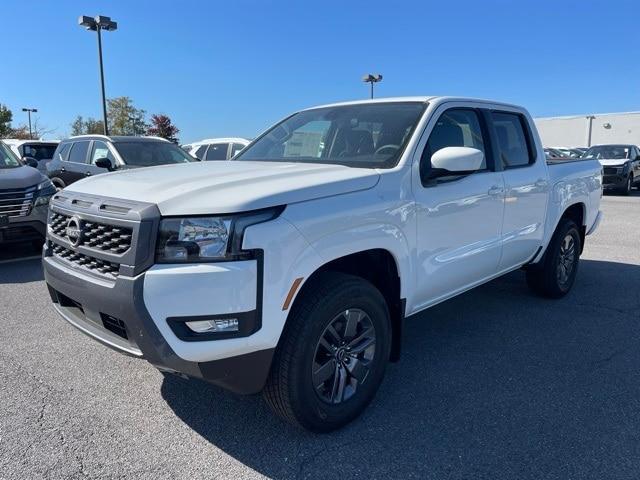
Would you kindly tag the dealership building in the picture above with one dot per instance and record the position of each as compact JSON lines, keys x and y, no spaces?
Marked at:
{"x":587,"y":130}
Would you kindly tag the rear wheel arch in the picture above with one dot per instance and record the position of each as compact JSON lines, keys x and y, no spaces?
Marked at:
{"x":577,"y":213}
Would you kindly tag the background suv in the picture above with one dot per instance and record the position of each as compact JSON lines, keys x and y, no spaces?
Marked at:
{"x":39,"y":150}
{"x":216,"y":148}
{"x":86,"y":155}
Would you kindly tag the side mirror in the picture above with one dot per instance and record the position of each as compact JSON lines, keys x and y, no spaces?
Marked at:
{"x":456,"y":161}
{"x":30,"y":161}
{"x":104,"y":163}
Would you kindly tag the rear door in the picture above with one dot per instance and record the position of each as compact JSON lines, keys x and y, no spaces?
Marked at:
{"x":75,"y":167}
{"x":526,"y":187}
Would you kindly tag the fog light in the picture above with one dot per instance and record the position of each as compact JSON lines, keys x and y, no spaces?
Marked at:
{"x":217,"y":325}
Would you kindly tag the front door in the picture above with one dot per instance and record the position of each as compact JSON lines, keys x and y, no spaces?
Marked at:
{"x":459,"y":218}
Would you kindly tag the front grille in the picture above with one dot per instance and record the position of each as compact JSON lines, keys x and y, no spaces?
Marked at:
{"x":610,"y":171}
{"x":17,"y":202}
{"x":85,"y":261}
{"x":99,"y":236}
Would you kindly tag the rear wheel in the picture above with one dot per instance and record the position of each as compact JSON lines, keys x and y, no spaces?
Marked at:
{"x":332,"y":355}
{"x":556,"y":273}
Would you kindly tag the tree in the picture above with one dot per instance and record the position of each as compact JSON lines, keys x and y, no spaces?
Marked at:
{"x":90,"y":126}
{"x":161,"y":126}
{"x":124,"y":118}
{"x":93,"y":126}
{"x":6,"y":116}
{"x":77,"y":126}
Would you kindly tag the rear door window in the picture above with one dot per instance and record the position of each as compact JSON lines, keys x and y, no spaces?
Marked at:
{"x":78,"y":152}
{"x":217,"y":151}
{"x":63,"y":151}
{"x":513,"y":139}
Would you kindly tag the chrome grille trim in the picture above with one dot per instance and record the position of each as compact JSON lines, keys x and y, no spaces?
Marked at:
{"x":17,"y":202}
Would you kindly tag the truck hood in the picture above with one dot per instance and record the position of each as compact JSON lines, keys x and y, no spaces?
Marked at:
{"x":613,"y":162}
{"x":227,"y":187}
{"x":19,"y":177}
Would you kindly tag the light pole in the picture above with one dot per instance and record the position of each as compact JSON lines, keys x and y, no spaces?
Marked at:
{"x":29,"y":110}
{"x":371,"y":78}
{"x":97,"y":24}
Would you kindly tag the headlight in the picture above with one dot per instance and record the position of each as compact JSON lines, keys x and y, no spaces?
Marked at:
{"x":206,"y":239}
{"x":44,"y":191}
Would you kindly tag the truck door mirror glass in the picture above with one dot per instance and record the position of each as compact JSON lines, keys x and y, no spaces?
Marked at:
{"x":104,"y":163}
{"x":30,"y":161}
{"x":456,"y":161}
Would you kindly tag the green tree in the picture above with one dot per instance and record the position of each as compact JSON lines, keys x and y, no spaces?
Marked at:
{"x":124,"y":118}
{"x":6,"y":116}
{"x":90,"y":126}
{"x":161,"y":126}
{"x":77,"y":126}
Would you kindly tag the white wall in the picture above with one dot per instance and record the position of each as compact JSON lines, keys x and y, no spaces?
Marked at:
{"x":574,"y":131}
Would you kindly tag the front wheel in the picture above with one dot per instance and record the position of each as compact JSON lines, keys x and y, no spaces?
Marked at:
{"x":556,"y":273}
{"x":333,"y":353}
{"x":626,"y":190}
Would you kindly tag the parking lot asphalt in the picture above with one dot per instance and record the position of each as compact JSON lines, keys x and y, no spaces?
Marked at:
{"x":496,"y":383}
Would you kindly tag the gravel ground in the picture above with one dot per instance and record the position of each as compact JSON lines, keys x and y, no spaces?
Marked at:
{"x":493,"y":384}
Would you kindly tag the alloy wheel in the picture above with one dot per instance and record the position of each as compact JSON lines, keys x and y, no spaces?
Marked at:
{"x":566,"y":259}
{"x":343,"y":356}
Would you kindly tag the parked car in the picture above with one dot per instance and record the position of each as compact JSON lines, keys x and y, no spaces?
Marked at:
{"x":40,"y":150}
{"x":554,"y":153}
{"x":24,"y":200}
{"x":620,"y":163}
{"x":290,"y":269}
{"x":216,"y":148}
{"x":87,"y":155}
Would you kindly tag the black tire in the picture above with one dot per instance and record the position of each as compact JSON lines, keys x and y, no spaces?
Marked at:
{"x":548,"y":278}
{"x":59,"y":184}
{"x":290,"y":390}
{"x":626,"y":190}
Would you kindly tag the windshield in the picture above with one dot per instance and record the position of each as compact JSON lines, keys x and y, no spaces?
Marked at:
{"x":609,"y":152}
{"x":368,"y":135}
{"x":148,"y":154}
{"x":7,"y":158}
{"x":39,"y":151}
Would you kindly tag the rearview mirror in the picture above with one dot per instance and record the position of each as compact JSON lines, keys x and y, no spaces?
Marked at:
{"x":30,"y":161}
{"x":104,"y":163}
{"x":456,"y":161}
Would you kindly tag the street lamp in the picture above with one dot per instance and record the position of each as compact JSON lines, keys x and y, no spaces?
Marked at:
{"x":370,"y":78}
{"x":29,"y":110}
{"x":97,"y":24}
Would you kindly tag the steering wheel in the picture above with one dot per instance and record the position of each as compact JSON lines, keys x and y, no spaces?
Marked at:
{"x":388,"y":146}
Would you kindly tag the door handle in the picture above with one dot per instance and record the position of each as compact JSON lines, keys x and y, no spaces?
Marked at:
{"x":495,"y":191}
{"x":541,"y":183}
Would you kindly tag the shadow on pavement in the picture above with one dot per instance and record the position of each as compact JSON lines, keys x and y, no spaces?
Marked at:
{"x":21,"y":271}
{"x":496,"y":383}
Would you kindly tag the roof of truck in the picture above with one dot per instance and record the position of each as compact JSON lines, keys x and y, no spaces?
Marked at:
{"x":421,"y":99}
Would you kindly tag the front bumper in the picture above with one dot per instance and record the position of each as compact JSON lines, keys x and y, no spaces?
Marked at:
{"x":25,"y":229}
{"x":129,"y":314}
{"x":614,"y":182}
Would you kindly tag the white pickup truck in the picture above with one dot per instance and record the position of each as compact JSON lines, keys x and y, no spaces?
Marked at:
{"x":291,"y":269}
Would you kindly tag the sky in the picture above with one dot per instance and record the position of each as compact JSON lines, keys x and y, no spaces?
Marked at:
{"x":233,"y":68}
